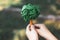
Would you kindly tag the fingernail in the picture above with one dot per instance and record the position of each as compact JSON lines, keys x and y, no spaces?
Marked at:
{"x":37,"y":27}
{"x":30,"y":28}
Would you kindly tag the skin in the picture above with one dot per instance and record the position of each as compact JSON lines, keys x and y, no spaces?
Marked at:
{"x":31,"y":34}
{"x":43,"y":31}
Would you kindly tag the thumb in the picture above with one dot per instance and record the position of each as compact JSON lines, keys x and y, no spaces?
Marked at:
{"x":32,"y":27}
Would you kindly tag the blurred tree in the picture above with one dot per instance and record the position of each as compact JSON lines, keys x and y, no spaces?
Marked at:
{"x":7,"y":3}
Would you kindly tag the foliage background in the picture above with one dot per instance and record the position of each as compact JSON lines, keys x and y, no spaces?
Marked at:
{"x":12,"y":25}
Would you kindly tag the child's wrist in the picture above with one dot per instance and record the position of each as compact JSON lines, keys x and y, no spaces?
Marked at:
{"x":52,"y":37}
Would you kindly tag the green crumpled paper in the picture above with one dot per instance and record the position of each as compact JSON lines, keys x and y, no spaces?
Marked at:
{"x":30,"y":12}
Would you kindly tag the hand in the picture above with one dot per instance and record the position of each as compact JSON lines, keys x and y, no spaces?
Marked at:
{"x":44,"y":32}
{"x":31,"y":34}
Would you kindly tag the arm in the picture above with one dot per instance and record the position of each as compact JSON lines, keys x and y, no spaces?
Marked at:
{"x":31,"y":34}
{"x":44,"y":32}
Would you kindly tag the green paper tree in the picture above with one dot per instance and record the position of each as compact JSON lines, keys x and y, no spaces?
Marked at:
{"x":30,"y":12}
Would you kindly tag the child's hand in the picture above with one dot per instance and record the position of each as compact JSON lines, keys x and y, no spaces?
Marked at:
{"x":31,"y":34}
{"x":44,"y":32}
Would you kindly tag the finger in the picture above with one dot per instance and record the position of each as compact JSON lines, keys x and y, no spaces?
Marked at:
{"x":27,"y":29}
{"x":32,"y":27}
{"x":39,"y":25}
{"x":36,"y":26}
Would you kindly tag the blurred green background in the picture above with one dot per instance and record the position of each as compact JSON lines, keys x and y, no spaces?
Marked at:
{"x":12,"y":25}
